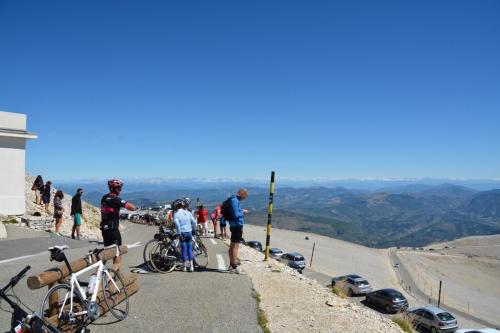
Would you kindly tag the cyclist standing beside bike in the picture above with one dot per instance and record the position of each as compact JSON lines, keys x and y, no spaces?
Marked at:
{"x":111,"y":204}
{"x":186,"y":227}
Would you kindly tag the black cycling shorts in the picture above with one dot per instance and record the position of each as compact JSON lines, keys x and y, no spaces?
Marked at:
{"x":111,"y":236}
{"x":236,"y":234}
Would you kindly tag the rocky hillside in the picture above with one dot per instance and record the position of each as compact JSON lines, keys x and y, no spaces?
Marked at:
{"x":294,"y":303}
{"x":91,"y":214}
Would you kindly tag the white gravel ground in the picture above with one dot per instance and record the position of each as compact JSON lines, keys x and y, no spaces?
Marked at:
{"x":293,"y":303}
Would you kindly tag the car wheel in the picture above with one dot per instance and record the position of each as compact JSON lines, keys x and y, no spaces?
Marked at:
{"x":434,"y":330}
{"x":387,"y":309}
{"x":349,"y":292}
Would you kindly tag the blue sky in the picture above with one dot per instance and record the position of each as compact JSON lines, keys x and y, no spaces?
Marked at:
{"x":352,"y":89}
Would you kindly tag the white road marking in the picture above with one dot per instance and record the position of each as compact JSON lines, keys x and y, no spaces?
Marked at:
{"x":23,"y":257}
{"x":221,"y":266}
{"x":213,"y":241}
{"x":131,"y":246}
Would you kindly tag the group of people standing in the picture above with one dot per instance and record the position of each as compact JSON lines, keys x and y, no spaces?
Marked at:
{"x":218,"y":221}
{"x":42,"y":197}
{"x":229,"y":212}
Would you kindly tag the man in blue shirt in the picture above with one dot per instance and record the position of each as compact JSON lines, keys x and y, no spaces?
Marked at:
{"x":236,"y":227}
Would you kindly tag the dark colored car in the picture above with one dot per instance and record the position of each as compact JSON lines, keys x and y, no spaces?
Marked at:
{"x":254,"y":245}
{"x":294,"y":260}
{"x":388,"y":299}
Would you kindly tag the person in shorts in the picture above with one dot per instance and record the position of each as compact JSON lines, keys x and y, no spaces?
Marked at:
{"x":215,"y":216}
{"x":58,"y":210}
{"x":202,"y":217}
{"x":46,"y":195}
{"x":38,"y":188}
{"x":223,"y":228}
{"x":76,"y":212}
{"x":111,"y":204}
{"x":236,"y":223}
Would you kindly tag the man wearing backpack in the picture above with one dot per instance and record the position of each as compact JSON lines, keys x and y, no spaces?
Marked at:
{"x":234,"y":215}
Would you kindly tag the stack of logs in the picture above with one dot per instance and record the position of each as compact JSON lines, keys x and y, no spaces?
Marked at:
{"x":52,"y":277}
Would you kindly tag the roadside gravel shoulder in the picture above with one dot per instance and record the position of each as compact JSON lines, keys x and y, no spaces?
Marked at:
{"x":294,"y":303}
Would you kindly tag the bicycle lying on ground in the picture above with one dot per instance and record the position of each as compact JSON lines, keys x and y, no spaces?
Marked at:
{"x":21,"y":321}
{"x":76,"y":306}
{"x":165,"y":253}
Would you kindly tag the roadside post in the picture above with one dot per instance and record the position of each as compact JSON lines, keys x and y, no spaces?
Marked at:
{"x":439,"y":296}
{"x":312,"y":255}
{"x":269,"y":216}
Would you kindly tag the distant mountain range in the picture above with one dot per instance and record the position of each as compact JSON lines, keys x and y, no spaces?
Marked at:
{"x":406,"y":215}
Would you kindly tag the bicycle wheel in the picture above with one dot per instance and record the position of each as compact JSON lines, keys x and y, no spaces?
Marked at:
{"x":116,"y":299}
{"x":145,"y":253}
{"x":57,"y":302}
{"x":163,"y":257}
{"x":200,"y":253}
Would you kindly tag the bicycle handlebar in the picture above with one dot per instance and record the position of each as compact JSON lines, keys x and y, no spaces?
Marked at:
{"x":16,"y":278}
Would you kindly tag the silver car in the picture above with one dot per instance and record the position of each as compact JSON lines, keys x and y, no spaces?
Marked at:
{"x":353,"y":284}
{"x":477,"y":330}
{"x":294,"y":260}
{"x":434,"y":319}
{"x":275,"y":253}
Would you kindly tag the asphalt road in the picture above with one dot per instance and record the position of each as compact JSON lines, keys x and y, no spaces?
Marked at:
{"x":208,"y":301}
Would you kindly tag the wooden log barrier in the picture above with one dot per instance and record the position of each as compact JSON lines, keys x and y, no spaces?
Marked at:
{"x":56,"y":274}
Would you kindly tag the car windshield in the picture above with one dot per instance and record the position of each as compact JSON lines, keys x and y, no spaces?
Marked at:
{"x":398,"y":296}
{"x":445,"y":316}
{"x":361,"y":282}
{"x":298,"y":258}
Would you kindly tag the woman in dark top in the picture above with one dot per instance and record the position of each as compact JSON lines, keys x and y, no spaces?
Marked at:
{"x":37,"y":188}
{"x":76,"y":212}
{"x":46,"y":196}
{"x":58,"y":210}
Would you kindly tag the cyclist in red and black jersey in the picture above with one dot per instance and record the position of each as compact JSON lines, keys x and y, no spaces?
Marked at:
{"x":111,"y":204}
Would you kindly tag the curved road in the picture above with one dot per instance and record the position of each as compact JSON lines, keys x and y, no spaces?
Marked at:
{"x":404,"y":275}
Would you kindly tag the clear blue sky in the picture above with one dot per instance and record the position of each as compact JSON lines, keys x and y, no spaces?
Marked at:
{"x":237,"y":88}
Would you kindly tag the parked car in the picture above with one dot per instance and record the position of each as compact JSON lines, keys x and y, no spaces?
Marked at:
{"x":434,"y":319}
{"x":353,"y":284}
{"x":294,"y":260}
{"x":254,"y":245}
{"x":478,"y":330}
{"x":388,"y":299}
{"x":275,"y":253}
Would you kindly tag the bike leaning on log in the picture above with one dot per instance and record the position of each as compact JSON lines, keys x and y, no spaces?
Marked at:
{"x":165,"y":253}
{"x":72,"y":307}
{"x":22,"y":321}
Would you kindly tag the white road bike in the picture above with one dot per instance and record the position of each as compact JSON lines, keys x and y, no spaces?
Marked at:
{"x":77,"y":301}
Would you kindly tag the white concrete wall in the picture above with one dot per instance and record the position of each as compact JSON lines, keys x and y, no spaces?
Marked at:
{"x":12,"y":173}
{"x":15,"y":121}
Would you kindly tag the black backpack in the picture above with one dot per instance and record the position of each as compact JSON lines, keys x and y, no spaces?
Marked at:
{"x":227,"y":211}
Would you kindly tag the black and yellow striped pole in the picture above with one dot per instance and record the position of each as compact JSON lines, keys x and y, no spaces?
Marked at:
{"x":269,"y":216}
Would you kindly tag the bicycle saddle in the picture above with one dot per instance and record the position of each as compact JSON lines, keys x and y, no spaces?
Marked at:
{"x":58,"y":248}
